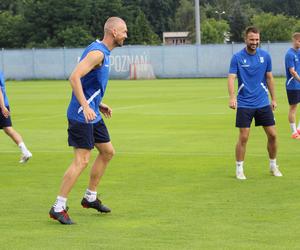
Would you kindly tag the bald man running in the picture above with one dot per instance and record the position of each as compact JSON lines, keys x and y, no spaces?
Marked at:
{"x":86,"y":127}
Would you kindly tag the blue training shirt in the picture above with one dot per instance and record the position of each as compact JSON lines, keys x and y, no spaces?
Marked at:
{"x":93,"y":84}
{"x":2,"y":86}
{"x":292,"y":60}
{"x":251,"y":73}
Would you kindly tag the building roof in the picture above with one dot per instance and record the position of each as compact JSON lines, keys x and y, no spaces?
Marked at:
{"x":175,"y":34}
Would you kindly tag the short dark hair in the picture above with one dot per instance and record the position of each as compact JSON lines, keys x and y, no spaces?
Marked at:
{"x":251,"y":29}
{"x":296,"y":35}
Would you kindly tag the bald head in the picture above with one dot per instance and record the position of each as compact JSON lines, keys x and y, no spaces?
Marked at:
{"x":115,"y":32}
{"x":113,"y":23}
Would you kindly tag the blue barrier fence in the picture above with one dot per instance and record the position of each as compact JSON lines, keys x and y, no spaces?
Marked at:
{"x":167,"y":61}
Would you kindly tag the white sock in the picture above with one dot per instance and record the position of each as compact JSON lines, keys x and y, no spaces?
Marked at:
{"x":293,"y":128}
{"x":239,"y":166}
{"x":23,"y":148}
{"x":298,"y":125}
{"x":60,"y":204}
{"x":90,"y":195}
{"x":273,"y":163}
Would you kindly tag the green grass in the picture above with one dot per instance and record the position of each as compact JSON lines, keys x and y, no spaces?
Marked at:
{"x":171,"y":184}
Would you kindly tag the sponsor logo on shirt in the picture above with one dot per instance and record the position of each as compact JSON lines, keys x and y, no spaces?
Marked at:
{"x":244,"y":63}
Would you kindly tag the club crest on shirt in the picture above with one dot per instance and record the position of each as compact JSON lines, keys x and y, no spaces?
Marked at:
{"x":262,"y":60}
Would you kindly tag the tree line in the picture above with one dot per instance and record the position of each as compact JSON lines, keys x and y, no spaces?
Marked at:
{"x":75,"y":23}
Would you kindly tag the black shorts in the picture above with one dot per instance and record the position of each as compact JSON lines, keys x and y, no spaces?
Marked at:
{"x":293,"y":96}
{"x":263,"y":117}
{"x":85,"y":135}
{"x":4,"y":122}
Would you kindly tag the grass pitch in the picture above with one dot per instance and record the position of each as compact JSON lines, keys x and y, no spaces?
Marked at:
{"x":171,"y":184}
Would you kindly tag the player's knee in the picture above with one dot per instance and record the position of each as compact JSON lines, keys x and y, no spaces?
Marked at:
{"x":272,"y":137}
{"x":293,"y":108}
{"x":243,"y":138}
{"x":82,"y":162}
{"x":8,"y":130}
{"x":109,"y":154}
{"x":11,"y":133}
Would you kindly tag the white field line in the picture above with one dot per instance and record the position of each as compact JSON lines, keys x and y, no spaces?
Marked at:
{"x":183,"y":114}
{"x":39,"y":118}
{"x":134,"y":107}
{"x":176,"y":101}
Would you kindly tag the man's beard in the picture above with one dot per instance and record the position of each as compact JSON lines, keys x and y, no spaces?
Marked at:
{"x":118,"y":43}
{"x":250,"y":47}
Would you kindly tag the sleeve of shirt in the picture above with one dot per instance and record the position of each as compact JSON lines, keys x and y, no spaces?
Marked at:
{"x":289,"y":61}
{"x":1,"y":84}
{"x":1,"y":80}
{"x":269,"y":63}
{"x":233,"y":69}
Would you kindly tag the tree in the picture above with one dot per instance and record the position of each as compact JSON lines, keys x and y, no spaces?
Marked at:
{"x":43,"y":25}
{"x":237,"y":13}
{"x":184,"y":17}
{"x":141,"y":31}
{"x":220,"y":9}
{"x":53,"y":23}
{"x":160,"y":14}
{"x":275,"y":28}
{"x":297,"y":26}
{"x":237,"y":21}
{"x":213,"y":31}
{"x":11,"y":31}
{"x":287,"y":7}
{"x":99,"y":11}
{"x":74,"y":36}
{"x":14,"y":6}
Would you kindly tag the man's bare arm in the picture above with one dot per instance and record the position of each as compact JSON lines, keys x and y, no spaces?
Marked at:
{"x":92,"y":60}
{"x":271,"y":87}
{"x":294,"y":74}
{"x":232,"y":97}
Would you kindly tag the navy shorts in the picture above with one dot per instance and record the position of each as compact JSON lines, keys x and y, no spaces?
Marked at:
{"x":263,"y":117}
{"x":85,"y":135}
{"x":293,"y":96}
{"x":4,"y":122}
